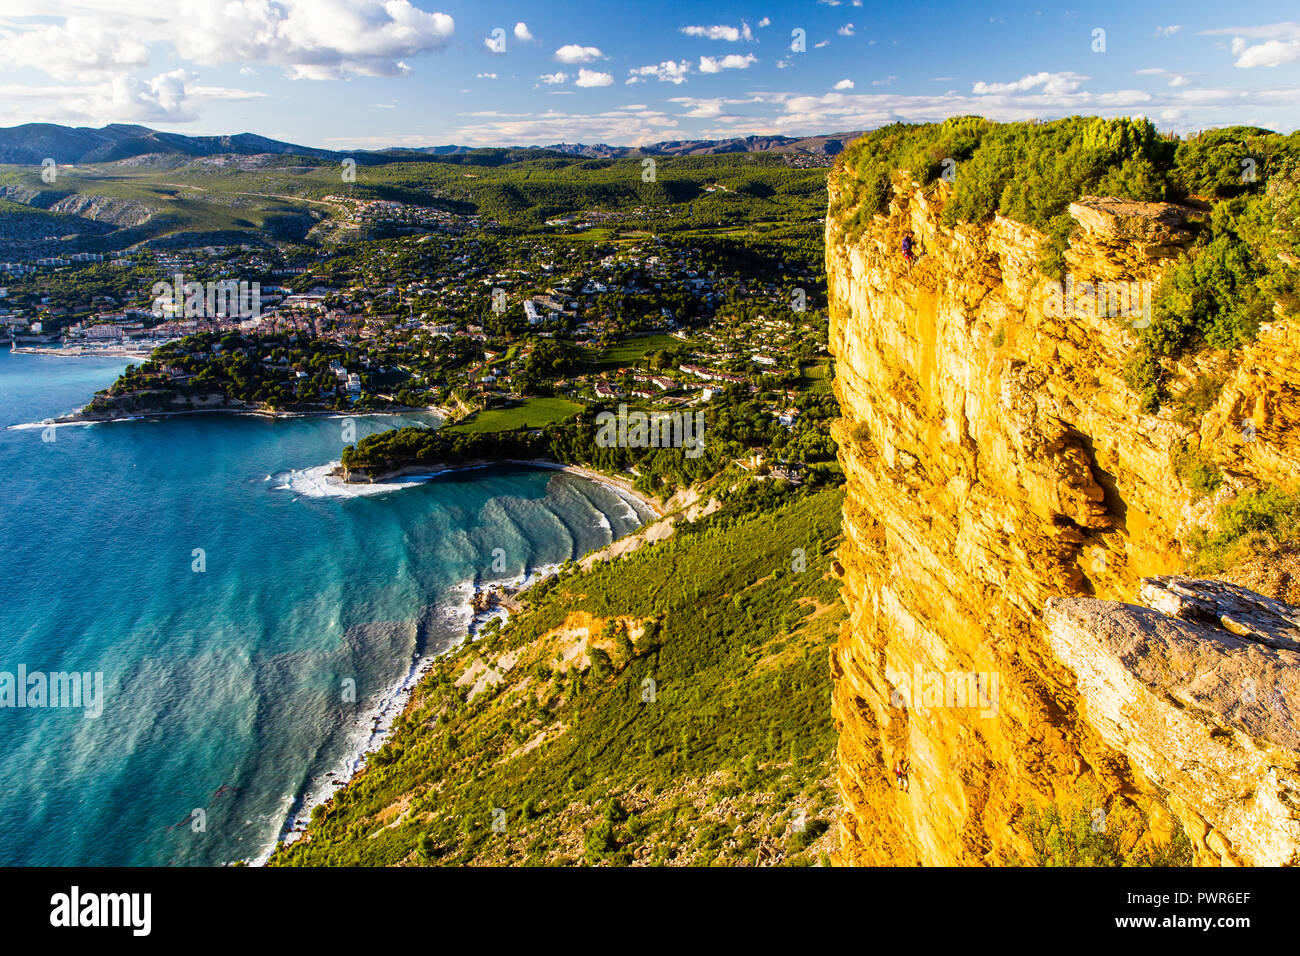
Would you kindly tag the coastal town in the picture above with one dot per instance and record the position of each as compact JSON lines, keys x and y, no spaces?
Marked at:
{"x":533,"y":327}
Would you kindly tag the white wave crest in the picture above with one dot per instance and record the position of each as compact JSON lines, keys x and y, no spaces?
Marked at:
{"x":320,"y":482}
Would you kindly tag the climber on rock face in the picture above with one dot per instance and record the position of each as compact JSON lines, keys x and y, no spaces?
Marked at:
{"x":900,"y":773}
{"x":908,"y":254}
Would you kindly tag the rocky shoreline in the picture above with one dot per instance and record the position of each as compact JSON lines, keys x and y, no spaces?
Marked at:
{"x":85,"y":416}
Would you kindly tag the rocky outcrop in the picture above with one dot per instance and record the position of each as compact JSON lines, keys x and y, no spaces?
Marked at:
{"x":104,"y":209}
{"x":995,"y":459}
{"x":1198,"y":690}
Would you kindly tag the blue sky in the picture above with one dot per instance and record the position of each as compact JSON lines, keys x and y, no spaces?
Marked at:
{"x":372,"y":73}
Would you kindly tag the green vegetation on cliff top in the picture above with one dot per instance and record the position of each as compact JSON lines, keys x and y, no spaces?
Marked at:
{"x":1246,"y":251}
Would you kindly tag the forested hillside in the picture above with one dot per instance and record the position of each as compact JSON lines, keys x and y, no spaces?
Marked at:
{"x":670,"y":707}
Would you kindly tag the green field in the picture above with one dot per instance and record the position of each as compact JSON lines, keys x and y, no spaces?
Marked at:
{"x":629,"y":351}
{"x":815,"y":375}
{"x":532,"y":413}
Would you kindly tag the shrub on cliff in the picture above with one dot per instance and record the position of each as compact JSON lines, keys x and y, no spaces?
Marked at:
{"x":1079,"y":831}
{"x":1249,"y":525}
{"x":1244,"y":263}
{"x":1217,"y":295}
{"x":1030,"y":172}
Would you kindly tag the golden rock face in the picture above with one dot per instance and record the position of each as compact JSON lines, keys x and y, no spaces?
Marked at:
{"x":994,"y":459}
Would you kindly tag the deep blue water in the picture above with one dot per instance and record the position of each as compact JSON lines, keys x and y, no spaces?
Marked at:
{"x":223,"y":688}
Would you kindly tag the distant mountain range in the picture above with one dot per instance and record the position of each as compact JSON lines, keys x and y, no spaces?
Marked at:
{"x":828,"y":145}
{"x":31,"y":143}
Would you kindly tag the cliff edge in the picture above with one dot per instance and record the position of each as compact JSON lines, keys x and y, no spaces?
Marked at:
{"x":996,"y":462}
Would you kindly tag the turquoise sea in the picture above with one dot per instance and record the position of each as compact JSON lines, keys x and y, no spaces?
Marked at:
{"x":225,"y":687}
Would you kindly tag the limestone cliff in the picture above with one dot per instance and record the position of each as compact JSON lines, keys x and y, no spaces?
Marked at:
{"x":994,"y":460}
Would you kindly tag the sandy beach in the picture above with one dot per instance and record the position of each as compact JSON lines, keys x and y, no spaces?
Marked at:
{"x":435,"y":469}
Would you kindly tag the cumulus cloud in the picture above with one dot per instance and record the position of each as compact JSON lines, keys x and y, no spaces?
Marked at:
{"x":1281,"y":44}
{"x":80,"y":48}
{"x":522,"y":33}
{"x":311,"y":39}
{"x":1049,"y":83}
{"x":308,"y":39}
{"x":171,"y":97}
{"x":732,"y":61}
{"x":668,"y":71}
{"x":485,"y":76}
{"x":722,"y":32}
{"x":846,"y":30}
{"x":575,"y":53}
{"x":551,"y":79}
{"x":588,"y":77}
{"x":495,"y":41}
{"x":765,"y":22}
{"x":1270,"y":53}
{"x":844,"y":85}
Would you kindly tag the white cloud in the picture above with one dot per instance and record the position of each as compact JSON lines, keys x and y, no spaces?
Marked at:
{"x":308,"y":39}
{"x":1051,"y":84}
{"x":495,"y":42}
{"x":1281,"y":44}
{"x":588,"y":77}
{"x":732,"y":61}
{"x":846,"y":30}
{"x":668,"y":71}
{"x":78,"y":49}
{"x":522,"y":33}
{"x":701,"y":109}
{"x":165,"y":99}
{"x":1168,"y":31}
{"x":553,"y":78}
{"x":574,"y":53}
{"x":630,"y":126}
{"x":722,"y":32}
{"x":818,"y":46}
{"x":1175,"y":79}
{"x":1271,"y":53}
{"x":844,"y":85}
{"x":485,"y":76}
{"x":765,"y":22}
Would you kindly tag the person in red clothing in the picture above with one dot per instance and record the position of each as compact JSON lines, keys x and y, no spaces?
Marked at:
{"x":900,"y":773}
{"x":908,"y":254}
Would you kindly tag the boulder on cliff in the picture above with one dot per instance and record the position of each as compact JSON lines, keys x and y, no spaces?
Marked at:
{"x":1201,"y":690}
